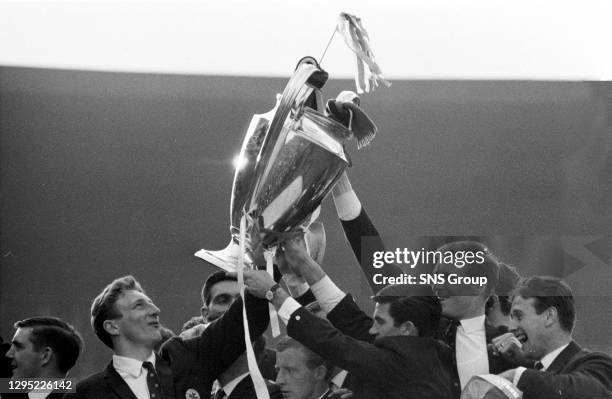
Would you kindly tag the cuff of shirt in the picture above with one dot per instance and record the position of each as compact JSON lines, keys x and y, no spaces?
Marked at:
{"x":287,"y":308}
{"x":347,"y":205}
{"x":517,"y":375}
{"x":327,"y":293}
{"x":296,"y":286}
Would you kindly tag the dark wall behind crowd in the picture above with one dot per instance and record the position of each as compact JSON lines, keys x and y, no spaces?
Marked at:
{"x":107,"y":174}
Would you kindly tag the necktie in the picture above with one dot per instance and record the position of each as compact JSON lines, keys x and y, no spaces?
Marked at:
{"x":451,"y":333}
{"x":450,"y":336}
{"x":538,"y":366}
{"x":220,"y":394}
{"x":155,"y":391}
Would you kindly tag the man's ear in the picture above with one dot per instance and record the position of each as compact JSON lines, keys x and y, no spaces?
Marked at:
{"x":552,"y":316}
{"x":111,"y":327}
{"x":46,"y":354}
{"x":408,"y":328}
{"x":320,"y":372}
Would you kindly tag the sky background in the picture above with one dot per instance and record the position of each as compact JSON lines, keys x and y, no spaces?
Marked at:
{"x":434,"y":39}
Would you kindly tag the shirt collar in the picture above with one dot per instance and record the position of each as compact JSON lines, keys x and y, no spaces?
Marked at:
{"x":132,"y":367}
{"x":339,"y":378}
{"x":230,"y":386}
{"x":550,"y":357}
{"x":473,"y":324}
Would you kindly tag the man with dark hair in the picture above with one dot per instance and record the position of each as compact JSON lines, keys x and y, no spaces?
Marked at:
{"x":302,"y":374}
{"x":544,"y":312}
{"x":393,"y":356}
{"x":218,"y":293}
{"x":499,"y":305}
{"x":127,"y":321}
{"x":464,"y":305}
{"x":44,"y":347}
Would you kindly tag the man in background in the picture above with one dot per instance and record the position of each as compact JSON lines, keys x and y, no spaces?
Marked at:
{"x":302,"y":374}
{"x":544,"y":314}
{"x":43,"y":347}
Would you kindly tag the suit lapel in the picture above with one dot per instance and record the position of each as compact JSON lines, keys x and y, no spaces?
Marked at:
{"x":165,"y":376}
{"x":564,"y":357}
{"x":117,"y":384}
{"x":242,"y":388}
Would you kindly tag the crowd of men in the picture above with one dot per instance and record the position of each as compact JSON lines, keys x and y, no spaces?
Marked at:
{"x":421,"y":341}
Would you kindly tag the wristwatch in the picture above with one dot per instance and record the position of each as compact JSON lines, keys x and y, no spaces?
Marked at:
{"x":271,"y":291}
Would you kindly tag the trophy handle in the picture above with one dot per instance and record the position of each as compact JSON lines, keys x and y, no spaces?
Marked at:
{"x":308,"y":77}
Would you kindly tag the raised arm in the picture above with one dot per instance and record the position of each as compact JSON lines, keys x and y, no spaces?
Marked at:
{"x":360,"y":232}
{"x":222,"y":342}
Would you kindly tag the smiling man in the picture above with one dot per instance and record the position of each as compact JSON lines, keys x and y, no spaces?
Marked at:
{"x":544,"y":314}
{"x":126,"y":320}
{"x":44,"y":347}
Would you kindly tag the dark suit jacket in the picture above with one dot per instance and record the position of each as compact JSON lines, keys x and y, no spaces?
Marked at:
{"x":576,"y":373}
{"x":246,"y":390}
{"x":189,"y":365}
{"x":364,"y":239}
{"x":390,"y":367}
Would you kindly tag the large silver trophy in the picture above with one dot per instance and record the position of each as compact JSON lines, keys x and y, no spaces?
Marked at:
{"x":290,"y":159}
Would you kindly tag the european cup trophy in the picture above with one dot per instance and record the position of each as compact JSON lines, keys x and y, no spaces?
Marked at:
{"x":290,"y":159}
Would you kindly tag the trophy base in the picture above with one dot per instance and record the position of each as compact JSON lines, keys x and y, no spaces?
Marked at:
{"x":226,"y":259}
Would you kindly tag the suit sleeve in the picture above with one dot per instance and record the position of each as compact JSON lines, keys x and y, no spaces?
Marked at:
{"x":222,"y":342}
{"x":363,"y":359}
{"x":364,"y":239}
{"x":306,"y":298}
{"x":592,"y":378}
{"x":350,"y":320}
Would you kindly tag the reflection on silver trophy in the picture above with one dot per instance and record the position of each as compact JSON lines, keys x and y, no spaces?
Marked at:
{"x":290,"y":159}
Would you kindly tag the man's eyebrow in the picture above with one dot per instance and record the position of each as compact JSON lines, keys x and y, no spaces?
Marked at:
{"x":138,"y":302}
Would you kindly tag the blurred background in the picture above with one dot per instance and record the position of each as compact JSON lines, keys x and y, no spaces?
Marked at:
{"x":119,"y":124}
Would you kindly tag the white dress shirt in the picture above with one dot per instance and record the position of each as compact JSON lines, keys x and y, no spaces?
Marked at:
{"x":546,"y":362}
{"x":471,"y":349}
{"x":134,"y":375}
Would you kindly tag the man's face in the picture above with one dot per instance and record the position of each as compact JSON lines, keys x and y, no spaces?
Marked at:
{"x":295,"y":379}
{"x":26,"y":360}
{"x":222,"y":295}
{"x":531,"y":325}
{"x":384,"y":325}
{"x":458,"y":300}
{"x":139,"y":322}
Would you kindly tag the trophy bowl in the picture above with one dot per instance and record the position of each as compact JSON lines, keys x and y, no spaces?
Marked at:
{"x":290,"y":159}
